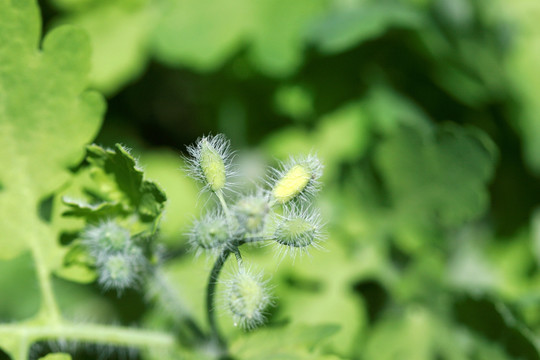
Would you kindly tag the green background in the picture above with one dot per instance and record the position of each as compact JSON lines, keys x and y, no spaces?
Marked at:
{"x":424,"y":113}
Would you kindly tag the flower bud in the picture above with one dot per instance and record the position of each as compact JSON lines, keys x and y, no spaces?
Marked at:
{"x":251,"y":212}
{"x":295,"y":232}
{"x":118,"y":272}
{"x":212,"y":166}
{"x":299,"y":229}
{"x":247,"y":298}
{"x":210,"y":161}
{"x":107,"y":237}
{"x":210,"y":232}
{"x":297,"y":179}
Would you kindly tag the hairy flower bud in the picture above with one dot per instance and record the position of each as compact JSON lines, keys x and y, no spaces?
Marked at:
{"x":299,"y":229}
{"x":298,"y":178}
{"x":118,"y":272}
{"x":210,"y":232}
{"x":247,"y":297}
{"x":212,"y":166}
{"x":209,"y":161}
{"x":107,"y":237}
{"x":251,"y":212}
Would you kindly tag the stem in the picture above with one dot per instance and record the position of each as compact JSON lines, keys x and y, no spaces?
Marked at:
{"x":239,"y":260}
{"x":173,"y":304}
{"x":210,"y":296}
{"x":49,"y":307}
{"x":224,"y":206}
{"x":113,"y":335}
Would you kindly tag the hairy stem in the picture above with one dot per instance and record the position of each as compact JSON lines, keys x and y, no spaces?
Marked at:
{"x":163,"y":292}
{"x":219,"y":195}
{"x":93,"y":333}
{"x":210,"y":297}
{"x":239,"y":260}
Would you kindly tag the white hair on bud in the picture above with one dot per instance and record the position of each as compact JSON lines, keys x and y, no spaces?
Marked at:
{"x":298,"y":230}
{"x":210,"y":233}
{"x":297,"y":179}
{"x":246,"y":298}
{"x":210,"y":162}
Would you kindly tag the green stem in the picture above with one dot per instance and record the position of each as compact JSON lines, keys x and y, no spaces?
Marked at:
{"x":93,"y":333}
{"x":174,"y":305}
{"x":239,"y":260}
{"x":223,"y":203}
{"x":210,"y":297}
{"x":49,"y":307}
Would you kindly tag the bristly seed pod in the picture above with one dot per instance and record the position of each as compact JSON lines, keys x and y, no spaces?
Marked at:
{"x":299,"y":229}
{"x":247,"y":297}
{"x":210,"y":233}
{"x":297,"y":179}
{"x":251,"y":212}
{"x":210,"y":161}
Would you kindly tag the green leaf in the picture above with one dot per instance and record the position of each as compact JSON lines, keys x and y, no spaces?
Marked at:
{"x":200,"y":34}
{"x":493,"y":321}
{"x":292,"y":342}
{"x":56,"y":356}
{"x":46,"y":118}
{"x":115,"y":27}
{"x":437,"y":176}
{"x":347,"y":27}
{"x":118,"y":186}
{"x":278,"y":33}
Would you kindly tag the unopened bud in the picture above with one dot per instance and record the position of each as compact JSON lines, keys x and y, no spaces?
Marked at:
{"x":209,"y":161}
{"x":247,"y":298}
{"x":210,"y":232}
{"x":251,"y":212}
{"x":297,"y":179}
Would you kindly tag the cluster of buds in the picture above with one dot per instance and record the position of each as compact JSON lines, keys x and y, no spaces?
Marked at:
{"x":118,"y":260}
{"x":282,"y":214}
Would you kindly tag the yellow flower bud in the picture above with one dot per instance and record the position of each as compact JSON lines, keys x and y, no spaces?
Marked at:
{"x":212,"y":166}
{"x":297,"y":179}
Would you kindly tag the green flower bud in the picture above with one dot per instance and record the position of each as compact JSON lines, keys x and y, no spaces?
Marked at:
{"x":212,"y":166}
{"x":247,"y":298}
{"x":298,"y":229}
{"x":209,"y":161}
{"x":107,"y":237}
{"x":210,"y":232}
{"x":295,"y":232}
{"x":118,"y":272}
{"x":299,"y":178}
{"x":251,"y":213}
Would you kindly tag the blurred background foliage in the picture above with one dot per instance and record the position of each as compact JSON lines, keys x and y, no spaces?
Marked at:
{"x":425,"y":115}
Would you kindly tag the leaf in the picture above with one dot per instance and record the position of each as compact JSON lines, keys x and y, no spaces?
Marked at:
{"x":437,"y":176}
{"x":278,"y":33}
{"x":347,"y":27}
{"x":292,"y":342}
{"x":493,"y":321}
{"x":46,"y":118}
{"x":118,"y":186}
{"x":111,"y":186}
{"x":200,"y":34}
{"x":521,"y":63}
{"x":115,"y":27}
{"x":56,"y":356}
